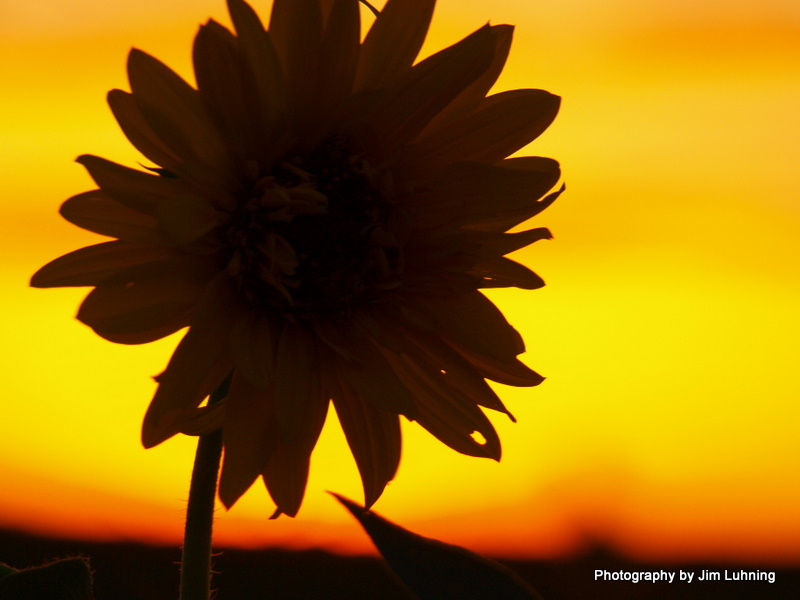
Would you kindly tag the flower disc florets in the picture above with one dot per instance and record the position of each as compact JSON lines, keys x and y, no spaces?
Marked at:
{"x":313,"y":237}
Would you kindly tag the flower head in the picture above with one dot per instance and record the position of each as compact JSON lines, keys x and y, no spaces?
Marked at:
{"x":322,"y":217}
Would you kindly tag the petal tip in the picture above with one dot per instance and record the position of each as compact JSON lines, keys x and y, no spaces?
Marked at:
{"x":39,"y":280}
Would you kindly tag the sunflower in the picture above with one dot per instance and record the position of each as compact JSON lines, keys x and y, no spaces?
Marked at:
{"x":322,"y":217}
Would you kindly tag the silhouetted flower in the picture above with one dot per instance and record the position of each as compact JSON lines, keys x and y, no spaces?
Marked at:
{"x":322,"y":218}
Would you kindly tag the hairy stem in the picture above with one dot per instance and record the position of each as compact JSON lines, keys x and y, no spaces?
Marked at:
{"x":196,"y":559}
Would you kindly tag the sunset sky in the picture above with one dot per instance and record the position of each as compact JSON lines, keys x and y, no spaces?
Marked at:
{"x":668,"y":331}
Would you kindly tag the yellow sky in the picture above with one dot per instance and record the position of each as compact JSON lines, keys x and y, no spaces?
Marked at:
{"x":668,"y":330}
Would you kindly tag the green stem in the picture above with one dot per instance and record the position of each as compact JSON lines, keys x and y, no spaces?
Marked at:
{"x":196,"y":559}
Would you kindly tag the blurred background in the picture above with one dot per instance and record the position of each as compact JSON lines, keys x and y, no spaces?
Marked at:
{"x":668,"y":331}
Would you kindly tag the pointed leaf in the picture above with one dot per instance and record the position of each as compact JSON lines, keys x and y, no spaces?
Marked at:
{"x":434,"y":570}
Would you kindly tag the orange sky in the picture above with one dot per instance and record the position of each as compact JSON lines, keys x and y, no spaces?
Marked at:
{"x":668,"y":330}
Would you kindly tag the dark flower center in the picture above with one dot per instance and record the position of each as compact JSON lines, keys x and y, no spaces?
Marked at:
{"x":313,"y":237}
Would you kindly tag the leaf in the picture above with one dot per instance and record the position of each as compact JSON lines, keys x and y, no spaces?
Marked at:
{"x":67,"y":579}
{"x":434,"y":570}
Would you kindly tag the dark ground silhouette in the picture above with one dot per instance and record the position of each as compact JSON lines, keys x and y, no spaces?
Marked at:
{"x":128,"y":571}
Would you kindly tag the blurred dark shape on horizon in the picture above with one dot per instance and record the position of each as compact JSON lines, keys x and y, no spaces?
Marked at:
{"x":131,"y":571}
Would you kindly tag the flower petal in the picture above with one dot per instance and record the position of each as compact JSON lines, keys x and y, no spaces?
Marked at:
{"x":504,"y":272}
{"x":507,"y":372}
{"x":511,"y":219}
{"x":332,"y":337}
{"x":372,"y":378}
{"x":502,"y":124}
{"x":124,"y":318}
{"x":374,"y":439}
{"x":93,"y":264}
{"x":427,"y":88}
{"x":296,"y":372}
{"x":203,"y":420}
{"x":444,"y":412}
{"x":503,"y":243}
{"x":225,"y":93}
{"x":443,"y":406}
{"x":445,"y":362}
{"x":249,"y":436}
{"x":456,"y":430}
{"x":472,"y":321}
{"x":199,"y":364}
{"x":184,"y":219}
{"x":96,"y":212}
{"x":472,"y":96}
{"x":145,"y":302}
{"x":393,"y":42}
{"x":338,"y":59}
{"x":138,"y":131}
{"x":137,"y":190}
{"x":326,"y":6}
{"x":253,"y":347}
{"x":473,"y":193}
{"x":286,"y":473}
{"x":295,"y":27}
{"x":262,"y":66}
{"x":172,"y":108}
